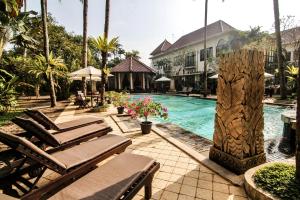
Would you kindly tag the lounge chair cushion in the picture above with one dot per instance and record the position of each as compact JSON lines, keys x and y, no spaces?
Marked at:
{"x":29,"y":149}
{"x":79,"y":122}
{"x":49,"y":124}
{"x":89,"y":150}
{"x":37,"y":130}
{"x":109,"y":181}
{"x":67,"y":136}
{"x":41,"y":118}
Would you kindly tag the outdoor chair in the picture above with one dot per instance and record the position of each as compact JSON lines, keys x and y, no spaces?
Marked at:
{"x":189,"y":90}
{"x":69,"y":163}
{"x":120,"y":178}
{"x":62,"y":139}
{"x":64,"y":126}
{"x":184,"y":89}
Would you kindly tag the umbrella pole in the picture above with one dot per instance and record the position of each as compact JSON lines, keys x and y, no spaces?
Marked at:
{"x":91,"y":90}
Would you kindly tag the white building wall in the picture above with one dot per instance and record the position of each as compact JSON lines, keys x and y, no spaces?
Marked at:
{"x":197,"y":47}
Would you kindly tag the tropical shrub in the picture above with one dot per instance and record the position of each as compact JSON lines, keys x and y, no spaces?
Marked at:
{"x":7,"y":91}
{"x":292,"y":72}
{"x":144,"y":108}
{"x":279,"y":179}
{"x":120,"y":99}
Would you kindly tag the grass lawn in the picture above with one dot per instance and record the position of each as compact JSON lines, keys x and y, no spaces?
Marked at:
{"x":6,"y":117}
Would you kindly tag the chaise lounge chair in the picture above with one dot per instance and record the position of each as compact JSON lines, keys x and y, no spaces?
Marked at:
{"x":62,"y":139}
{"x":120,"y":178}
{"x":68,"y":163}
{"x":49,"y":124}
{"x":184,"y":89}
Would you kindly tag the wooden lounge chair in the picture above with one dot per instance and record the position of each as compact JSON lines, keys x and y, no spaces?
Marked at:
{"x":49,"y":124}
{"x":184,"y":89}
{"x":68,"y":163}
{"x":120,"y":178}
{"x":189,"y":90}
{"x":62,"y":139}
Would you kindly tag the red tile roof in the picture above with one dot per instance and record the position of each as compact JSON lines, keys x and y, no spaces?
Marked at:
{"x":161,"y":48}
{"x":197,"y":36}
{"x":132,"y":64}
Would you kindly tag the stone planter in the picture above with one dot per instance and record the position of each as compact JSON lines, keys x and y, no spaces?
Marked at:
{"x":120,"y":110}
{"x":146,"y":127}
{"x":250,"y":187}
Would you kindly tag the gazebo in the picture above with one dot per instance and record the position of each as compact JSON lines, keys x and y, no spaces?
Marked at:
{"x":133,"y":75}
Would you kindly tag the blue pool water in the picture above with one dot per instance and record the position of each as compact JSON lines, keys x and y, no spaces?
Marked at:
{"x":197,"y":115}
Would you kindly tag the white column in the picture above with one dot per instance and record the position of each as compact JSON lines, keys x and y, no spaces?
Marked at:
{"x":172,"y":85}
{"x":131,"y":81}
{"x":119,"y":81}
{"x":143,"y":81}
{"x":116,"y":81}
{"x":148,"y":83}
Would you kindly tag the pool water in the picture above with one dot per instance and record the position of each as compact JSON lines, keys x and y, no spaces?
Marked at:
{"x":197,"y":115}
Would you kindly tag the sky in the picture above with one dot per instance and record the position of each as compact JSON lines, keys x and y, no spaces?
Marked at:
{"x":143,"y":24}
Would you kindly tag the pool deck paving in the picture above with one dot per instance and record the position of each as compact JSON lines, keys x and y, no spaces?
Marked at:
{"x":180,"y":177}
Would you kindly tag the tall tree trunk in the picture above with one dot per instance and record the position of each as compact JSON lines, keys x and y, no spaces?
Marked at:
{"x":84,"y":49}
{"x":37,"y":90}
{"x":104,"y":53}
{"x":4,"y":37}
{"x":279,"y":50}
{"x":46,"y":50}
{"x":298,"y":122}
{"x":205,"y":51}
{"x":25,"y":10}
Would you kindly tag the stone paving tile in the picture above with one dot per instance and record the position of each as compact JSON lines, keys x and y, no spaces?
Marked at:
{"x":180,"y":177}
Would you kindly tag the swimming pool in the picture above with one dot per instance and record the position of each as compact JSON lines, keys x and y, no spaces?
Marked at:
{"x":197,"y":115}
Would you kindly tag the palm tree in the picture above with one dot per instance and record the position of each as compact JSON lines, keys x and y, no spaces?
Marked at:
{"x":133,"y":53}
{"x":104,"y":52}
{"x":42,"y":68}
{"x":292,"y":72}
{"x":279,"y":50}
{"x":298,"y":123}
{"x":46,"y":51}
{"x":85,"y":46}
{"x":103,"y":45}
{"x":205,"y":50}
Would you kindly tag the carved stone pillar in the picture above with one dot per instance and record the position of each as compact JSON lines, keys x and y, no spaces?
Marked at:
{"x":238,"y":135}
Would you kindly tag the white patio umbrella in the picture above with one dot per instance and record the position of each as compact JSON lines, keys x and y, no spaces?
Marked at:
{"x":163,"y":79}
{"x":89,"y":71}
{"x":267,"y":76}
{"x":77,"y":78}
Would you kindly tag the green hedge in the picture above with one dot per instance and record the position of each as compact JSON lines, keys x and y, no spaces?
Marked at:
{"x":279,"y":180}
{"x":6,"y":117}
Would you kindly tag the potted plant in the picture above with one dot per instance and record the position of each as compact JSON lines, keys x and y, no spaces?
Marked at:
{"x":109,"y":96}
{"x":120,"y":99}
{"x":144,"y":108}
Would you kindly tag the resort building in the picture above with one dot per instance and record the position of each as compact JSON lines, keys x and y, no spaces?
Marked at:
{"x":290,"y":42}
{"x":133,"y":75}
{"x":183,"y":61}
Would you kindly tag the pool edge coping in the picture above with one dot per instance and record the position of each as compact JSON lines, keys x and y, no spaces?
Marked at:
{"x":226,"y":174}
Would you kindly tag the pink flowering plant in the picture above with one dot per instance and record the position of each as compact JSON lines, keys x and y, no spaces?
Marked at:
{"x":144,"y":108}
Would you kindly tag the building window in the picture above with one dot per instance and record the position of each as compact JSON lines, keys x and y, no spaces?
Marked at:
{"x":296,"y":56}
{"x":222,"y":47}
{"x":190,"y":59}
{"x":209,"y":53}
{"x":288,"y":56}
{"x":178,"y":60}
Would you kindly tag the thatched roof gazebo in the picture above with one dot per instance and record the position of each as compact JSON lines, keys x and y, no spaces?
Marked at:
{"x":133,"y":75}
